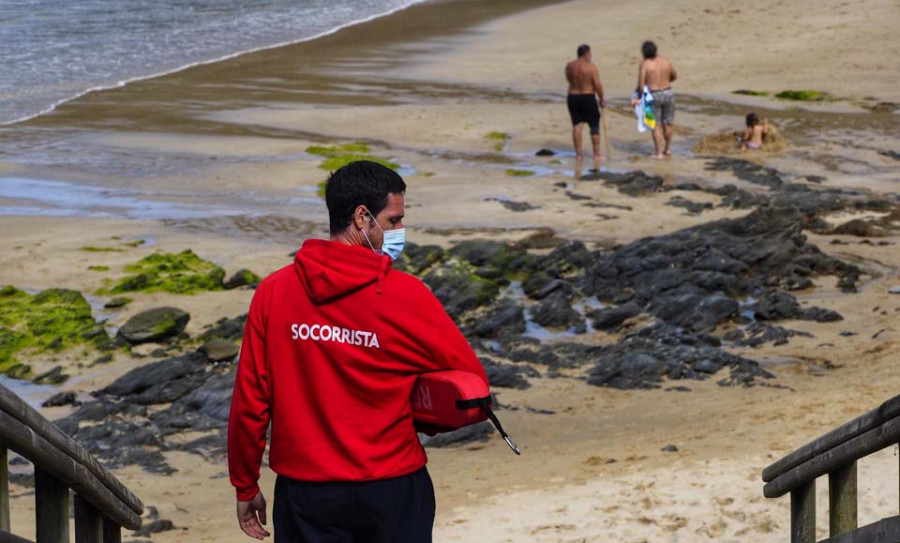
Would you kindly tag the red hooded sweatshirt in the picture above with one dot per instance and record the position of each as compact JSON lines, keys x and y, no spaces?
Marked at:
{"x":331,"y":350}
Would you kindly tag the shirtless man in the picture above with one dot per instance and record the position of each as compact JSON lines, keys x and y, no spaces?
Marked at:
{"x":658,"y":74}
{"x":584,"y":83}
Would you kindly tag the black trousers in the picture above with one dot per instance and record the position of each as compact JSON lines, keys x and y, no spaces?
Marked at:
{"x":399,"y":510}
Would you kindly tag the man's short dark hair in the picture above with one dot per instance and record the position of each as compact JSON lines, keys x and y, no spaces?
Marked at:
{"x":648,"y":49}
{"x":359,"y":183}
{"x":583,"y":49}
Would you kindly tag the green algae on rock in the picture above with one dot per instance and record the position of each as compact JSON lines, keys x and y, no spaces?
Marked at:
{"x":51,"y":321}
{"x":748,"y":92}
{"x":519,"y":173}
{"x":182,"y":273}
{"x":98,"y":268}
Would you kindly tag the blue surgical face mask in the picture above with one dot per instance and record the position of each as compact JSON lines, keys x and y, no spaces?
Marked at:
{"x":393,"y":240}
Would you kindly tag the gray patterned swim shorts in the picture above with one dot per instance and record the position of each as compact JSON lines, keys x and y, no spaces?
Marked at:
{"x":664,"y":105}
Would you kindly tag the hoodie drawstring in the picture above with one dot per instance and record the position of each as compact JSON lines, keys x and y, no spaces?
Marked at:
{"x":381,"y":273}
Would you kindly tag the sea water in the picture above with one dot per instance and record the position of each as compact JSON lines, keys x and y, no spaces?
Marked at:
{"x":57,"y":50}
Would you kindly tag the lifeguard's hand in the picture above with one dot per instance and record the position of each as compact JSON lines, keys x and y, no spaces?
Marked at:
{"x":252,"y":516}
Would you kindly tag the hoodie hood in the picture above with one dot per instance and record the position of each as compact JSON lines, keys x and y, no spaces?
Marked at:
{"x":331,"y":270}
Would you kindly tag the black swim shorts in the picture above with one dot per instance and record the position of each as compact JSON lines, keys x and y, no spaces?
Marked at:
{"x":583,"y":108}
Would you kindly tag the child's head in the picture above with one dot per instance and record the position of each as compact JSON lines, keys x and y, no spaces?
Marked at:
{"x":752,"y":120}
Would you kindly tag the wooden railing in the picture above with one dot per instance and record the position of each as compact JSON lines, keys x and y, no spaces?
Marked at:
{"x":102,"y":504}
{"x":835,"y":454}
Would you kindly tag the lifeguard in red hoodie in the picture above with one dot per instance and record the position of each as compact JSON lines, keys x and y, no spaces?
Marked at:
{"x":331,"y":351}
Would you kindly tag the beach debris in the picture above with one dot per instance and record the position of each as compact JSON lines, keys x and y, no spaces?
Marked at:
{"x":50,"y":321}
{"x":154,"y":325}
{"x":219,"y":350}
{"x":242,"y":278}
{"x":181,"y":273}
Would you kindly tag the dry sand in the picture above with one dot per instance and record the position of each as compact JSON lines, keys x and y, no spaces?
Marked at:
{"x":565,"y":487}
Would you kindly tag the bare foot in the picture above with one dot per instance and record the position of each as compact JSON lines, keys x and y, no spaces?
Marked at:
{"x":579,"y":157}
{"x":667,"y":152}
{"x":658,"y":156}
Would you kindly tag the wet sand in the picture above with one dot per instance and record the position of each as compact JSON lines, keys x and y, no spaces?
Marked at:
{"x":231,"y":138}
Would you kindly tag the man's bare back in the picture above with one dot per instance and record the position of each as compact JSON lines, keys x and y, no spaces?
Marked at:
{"x":657,"y":73}
{"x":583,"y":77}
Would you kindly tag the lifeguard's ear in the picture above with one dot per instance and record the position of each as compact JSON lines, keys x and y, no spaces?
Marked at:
{"x":360,"y":217}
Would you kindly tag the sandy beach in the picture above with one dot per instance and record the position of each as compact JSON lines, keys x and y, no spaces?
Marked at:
{"x":215,"y":159}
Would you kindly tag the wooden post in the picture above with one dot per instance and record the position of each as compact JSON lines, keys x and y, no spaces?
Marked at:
{"x":52,"y":508}
{"x":88,"y":522}
{"x":4,"y":490}
{"x":112,"y":532}
{"x":842,"y":500}
{"x":803,"y":514}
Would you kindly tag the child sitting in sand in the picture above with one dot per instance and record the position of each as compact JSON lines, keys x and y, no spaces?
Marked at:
{"x":755,"y":134}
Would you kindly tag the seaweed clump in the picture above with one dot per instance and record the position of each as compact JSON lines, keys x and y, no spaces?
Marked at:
{"x":182,"y":273}
{"x":337,"y":156}
{"x":51,"y":321}
{"x":802,"y":95}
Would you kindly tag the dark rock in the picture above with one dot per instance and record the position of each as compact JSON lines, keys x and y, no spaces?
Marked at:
{"x":555,"y":311}
{"x":60,"y":399}
{"x":117,"y":302}
{"x":477,"y":432}
{"x":458,"y":289}
{"x":645,"y":358}
{"x":776,"y":305}
{"x":154,"y":325}
{"x":513,"y":205}
{"x":819,"y":314}
{"x":611,"y":317}
{"x":481,"y":252}
{"x":669,"y":448}
{"x":693,"y":208}
{"x":218,"y":350}
{"x":576,"y":197}
{"x":759,"y":333}
{"x":417,"y":258}
{"x":242,"y":278}
{"x":859,"y":228}
{"x":54,"y":376}
{"x":508,"y":375}
{"x":545,"y":152}
{"x":635,"y":183}
{"x":158,"y":382}
{"x":556,"y":356}
{"x":154,"y":527}
{"x":747,"y":171}
{"x":847,"y":333}
{"x":226,"y":328}
{"x":506,"y":315}
{"x":103,"y":359}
